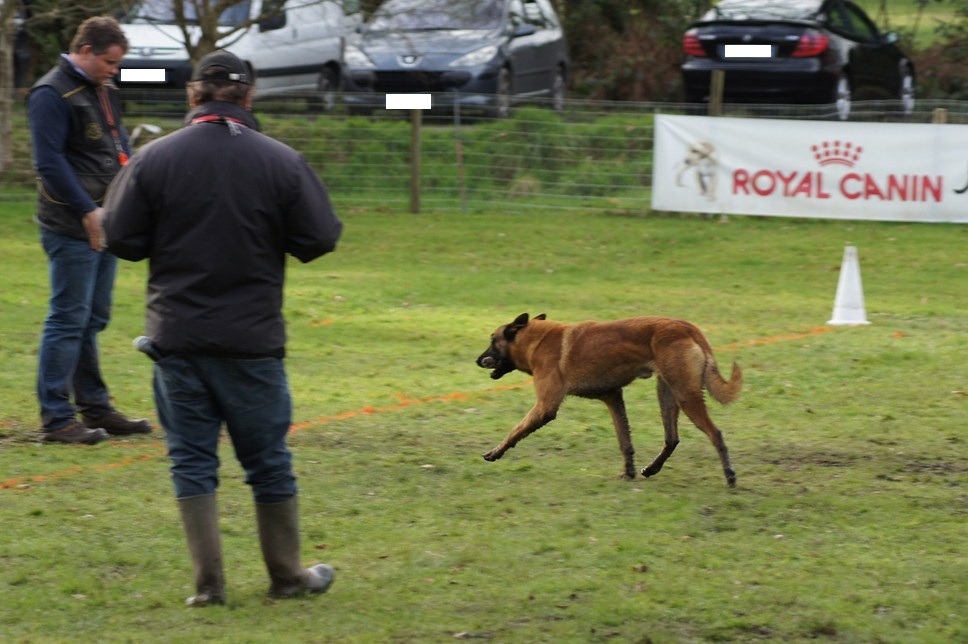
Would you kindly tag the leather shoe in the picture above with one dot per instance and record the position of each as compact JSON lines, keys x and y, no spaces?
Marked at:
{"x":75,"y":432}
{"x":116,"y":424}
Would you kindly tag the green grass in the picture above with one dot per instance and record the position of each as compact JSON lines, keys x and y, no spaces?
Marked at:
{"x":915,"y":19}
{"x":847,"y":523}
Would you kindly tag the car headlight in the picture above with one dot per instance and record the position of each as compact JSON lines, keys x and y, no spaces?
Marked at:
{"x":354,"y":57}
{"x":476,"y":57}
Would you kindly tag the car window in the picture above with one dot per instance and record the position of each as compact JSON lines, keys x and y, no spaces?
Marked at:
{"x":848,"y":19}
{"x":551,"y":20}
{"x":527,"y":12}
{"x":163,"y":12}
{"x":839,"y":20}
{"x":862,"y":25}
{"x":760,"y":10}
{"x":516,"y":12}
{"x":533,"y":14}
{"x":409,"y":15}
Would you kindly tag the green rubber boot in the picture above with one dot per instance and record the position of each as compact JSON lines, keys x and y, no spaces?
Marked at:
{"x":199,"y":516}
{"x":279,"y":537}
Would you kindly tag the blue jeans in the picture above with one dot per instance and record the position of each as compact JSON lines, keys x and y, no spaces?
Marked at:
{"x":195,"y":394}
{"x":81,"y":285}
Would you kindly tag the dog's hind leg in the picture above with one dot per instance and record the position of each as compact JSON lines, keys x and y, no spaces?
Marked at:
{"x":670,"y":421}
{"x":695,"y":409}
{"x":616,"y":407}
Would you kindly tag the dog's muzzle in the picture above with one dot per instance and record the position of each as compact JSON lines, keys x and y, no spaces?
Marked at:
{"x":500,"y":366}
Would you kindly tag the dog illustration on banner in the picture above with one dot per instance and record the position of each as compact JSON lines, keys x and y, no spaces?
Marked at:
{"x":701,"y":161}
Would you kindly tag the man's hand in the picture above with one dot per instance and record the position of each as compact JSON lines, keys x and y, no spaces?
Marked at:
{"x":93,"y":228}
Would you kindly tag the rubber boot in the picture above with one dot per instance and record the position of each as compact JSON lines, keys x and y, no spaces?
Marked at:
{"x":279,"y":537}
{"x":199,"y":516}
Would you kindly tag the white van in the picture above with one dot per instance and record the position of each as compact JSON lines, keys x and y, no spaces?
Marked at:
{"x":298,"y":48}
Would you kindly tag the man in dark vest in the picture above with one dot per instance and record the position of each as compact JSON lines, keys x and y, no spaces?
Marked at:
{"x":79,"y":146}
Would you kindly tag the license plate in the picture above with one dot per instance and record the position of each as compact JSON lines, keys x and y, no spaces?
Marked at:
{"x":748,"y":51}
{"x":142,"y":76}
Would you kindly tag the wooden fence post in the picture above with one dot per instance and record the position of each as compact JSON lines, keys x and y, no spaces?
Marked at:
{"x":717,"y":81}
{"x":415,"y":126}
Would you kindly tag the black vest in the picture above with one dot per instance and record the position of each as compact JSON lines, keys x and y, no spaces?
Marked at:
{"x":90,"y":148}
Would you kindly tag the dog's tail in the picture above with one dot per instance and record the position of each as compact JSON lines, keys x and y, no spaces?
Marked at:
{"x":722,"y":390}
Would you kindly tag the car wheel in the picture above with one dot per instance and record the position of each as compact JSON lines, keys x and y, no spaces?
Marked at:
{"x":502,"y":96}
{"x":324,"y":98}
{"x":907,"y":91}
{"x":558,"y":91}
{"x":842,"y":98}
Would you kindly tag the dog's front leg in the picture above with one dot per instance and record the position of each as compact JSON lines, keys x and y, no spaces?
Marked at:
{"x":616,"y":407}
{"x":539,"y":416}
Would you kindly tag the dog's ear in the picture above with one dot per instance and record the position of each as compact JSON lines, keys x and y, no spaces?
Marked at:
{"x":540,"y":316}
{"x":512,"y":329}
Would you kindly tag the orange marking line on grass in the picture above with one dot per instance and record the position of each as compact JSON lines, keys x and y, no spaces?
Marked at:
{"x":403,"y":402}
{"x":776,"y":338}
{"x":25,"y":481}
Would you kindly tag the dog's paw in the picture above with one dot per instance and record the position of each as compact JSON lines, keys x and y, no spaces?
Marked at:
{"x":492,"y":456}
{"x":650,"y":471}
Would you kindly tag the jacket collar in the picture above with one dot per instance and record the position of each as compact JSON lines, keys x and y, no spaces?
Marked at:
{"x":227,"y":110}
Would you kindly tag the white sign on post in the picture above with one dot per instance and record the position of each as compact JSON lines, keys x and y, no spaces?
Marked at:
{"x":415,"y":103}
{"x":408,"y":101}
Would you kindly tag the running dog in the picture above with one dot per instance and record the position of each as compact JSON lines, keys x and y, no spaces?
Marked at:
{"x":597,"y":359}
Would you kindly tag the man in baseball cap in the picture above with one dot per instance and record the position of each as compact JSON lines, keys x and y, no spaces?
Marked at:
{"x":215,"y":207}
{"x":221,"y":65}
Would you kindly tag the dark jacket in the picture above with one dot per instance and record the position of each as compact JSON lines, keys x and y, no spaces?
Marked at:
{"x":215,"y":207}
{"x":75,"y":154}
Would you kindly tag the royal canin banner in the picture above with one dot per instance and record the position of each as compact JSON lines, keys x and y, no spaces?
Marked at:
{"x":877,"y":171}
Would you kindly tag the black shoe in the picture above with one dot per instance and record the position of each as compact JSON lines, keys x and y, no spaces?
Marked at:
{"x":76,"y":432}
{"x":116,"y":424}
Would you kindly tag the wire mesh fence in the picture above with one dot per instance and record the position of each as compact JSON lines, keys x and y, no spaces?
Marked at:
{"x":591,"y":155}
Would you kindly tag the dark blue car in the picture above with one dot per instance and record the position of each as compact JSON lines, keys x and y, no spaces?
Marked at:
{"x":795,"y":51}
{"x":483,"y":54}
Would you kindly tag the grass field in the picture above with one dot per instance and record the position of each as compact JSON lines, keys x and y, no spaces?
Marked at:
{"x":914,"y":18}
{"x":847,"y":523}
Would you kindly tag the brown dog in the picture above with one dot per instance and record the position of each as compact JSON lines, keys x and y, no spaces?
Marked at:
{"x":598,"y":359}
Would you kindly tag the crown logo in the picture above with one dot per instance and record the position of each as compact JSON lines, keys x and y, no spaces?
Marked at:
{"x":837,"y":153}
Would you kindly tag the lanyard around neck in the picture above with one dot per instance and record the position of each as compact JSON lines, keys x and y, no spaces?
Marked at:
{"x":102,"y":97}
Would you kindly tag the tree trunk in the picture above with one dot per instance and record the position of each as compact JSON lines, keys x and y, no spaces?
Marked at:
{"x":6,"y":84}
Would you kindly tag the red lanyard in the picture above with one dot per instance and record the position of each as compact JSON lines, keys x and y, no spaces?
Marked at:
{"x":213,"y":118}
{"x":102,"y":95}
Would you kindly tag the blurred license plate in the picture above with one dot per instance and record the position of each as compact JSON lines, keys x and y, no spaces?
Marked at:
{"x":749,"y":51}
{"x":142,"y":76}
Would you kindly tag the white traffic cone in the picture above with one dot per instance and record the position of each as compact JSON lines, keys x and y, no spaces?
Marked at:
{"x":849,"y":302}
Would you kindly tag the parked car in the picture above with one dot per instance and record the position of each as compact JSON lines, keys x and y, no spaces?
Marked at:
{"x":795,"y":51}
{"x":297,"y":48}
{"x":485,"y":54}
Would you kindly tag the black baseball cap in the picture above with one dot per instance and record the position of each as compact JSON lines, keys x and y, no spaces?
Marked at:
{"x":221,"y":65}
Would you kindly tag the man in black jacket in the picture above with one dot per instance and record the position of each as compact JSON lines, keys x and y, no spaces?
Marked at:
{"x":79,"y":145}
{"x":215,"y":207}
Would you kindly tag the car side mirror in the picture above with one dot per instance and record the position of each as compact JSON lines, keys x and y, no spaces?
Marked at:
{"x":523,"y":30}
{"x":890,"y":38}
{"x":277,"y":21}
